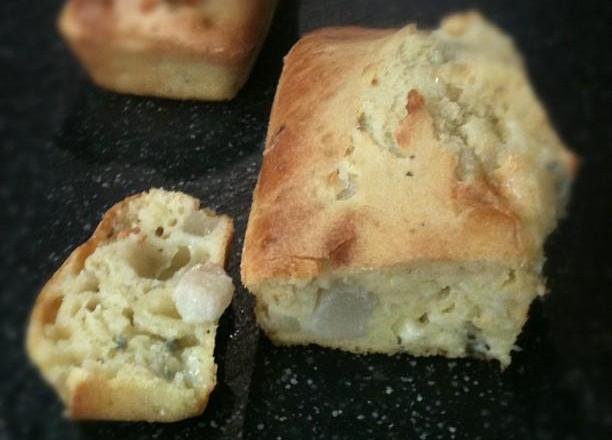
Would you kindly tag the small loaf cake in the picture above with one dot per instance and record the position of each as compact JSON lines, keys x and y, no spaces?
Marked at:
{"x":409,"y":181}
{"x":183,"y":49}
{"x":125,"y":330}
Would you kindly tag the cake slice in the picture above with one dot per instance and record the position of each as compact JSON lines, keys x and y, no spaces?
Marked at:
{"x":184,"y":49}
{"x":409,"y":181}
{"x":125,"y":329}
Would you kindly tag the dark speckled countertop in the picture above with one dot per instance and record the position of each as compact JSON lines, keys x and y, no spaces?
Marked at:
{"x":70,"y":150}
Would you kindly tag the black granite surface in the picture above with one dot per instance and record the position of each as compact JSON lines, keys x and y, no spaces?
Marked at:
{"x":70,"y":150}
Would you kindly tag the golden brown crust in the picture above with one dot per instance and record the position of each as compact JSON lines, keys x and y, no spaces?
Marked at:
{"x":292,"y":233}
{"x":91,"y":396}
{"x":160,"y":42}
{"x":227,"y":38}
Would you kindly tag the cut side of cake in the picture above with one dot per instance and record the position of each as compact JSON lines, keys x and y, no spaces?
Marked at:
{"x":125,"y":329}
{"x":409,"y":181}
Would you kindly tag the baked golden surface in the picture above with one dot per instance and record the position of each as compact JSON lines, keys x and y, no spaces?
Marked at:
{"x":185,"y":49}
{"x":407,"y":155}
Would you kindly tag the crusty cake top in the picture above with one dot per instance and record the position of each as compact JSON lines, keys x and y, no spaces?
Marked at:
{"x":390,"y":147}
{"x":225,"y":30}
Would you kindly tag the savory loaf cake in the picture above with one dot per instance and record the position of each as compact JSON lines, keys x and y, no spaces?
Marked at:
{"x":409,"y":181}
{"x":185,"y":49}
{"x":125,"y":330}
